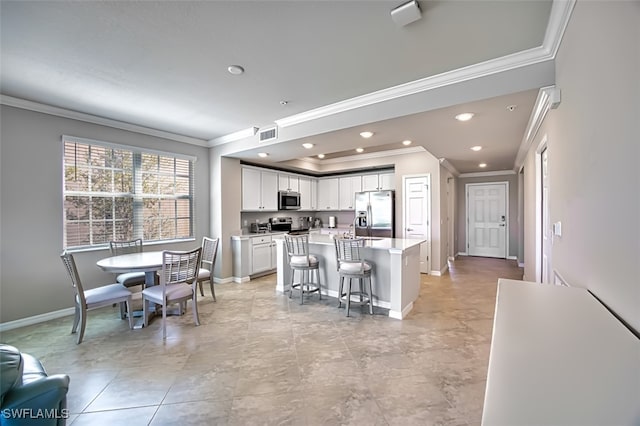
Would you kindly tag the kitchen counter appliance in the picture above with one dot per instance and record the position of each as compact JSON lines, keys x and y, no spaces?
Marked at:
{"x":375,"y":214}
{"x":260,"y":228}
{"x":288,"y":200}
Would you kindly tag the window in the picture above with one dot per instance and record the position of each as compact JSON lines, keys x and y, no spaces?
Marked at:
{"x":113,"y":192}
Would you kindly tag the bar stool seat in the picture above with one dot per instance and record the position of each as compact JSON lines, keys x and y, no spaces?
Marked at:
{"x":352,"y":266}
{"x":300,"y":260}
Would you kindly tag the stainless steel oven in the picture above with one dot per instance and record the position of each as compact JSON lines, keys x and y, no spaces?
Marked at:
{"x":288,"y":200}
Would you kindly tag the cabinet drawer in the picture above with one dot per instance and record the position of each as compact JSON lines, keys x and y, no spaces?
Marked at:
{"x":261,"y":239}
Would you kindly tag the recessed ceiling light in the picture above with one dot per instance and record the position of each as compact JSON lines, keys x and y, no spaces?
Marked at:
{"x":407,"y":142}
{"x":483,"y":165}
{"x":366,"y":135}
{"x":263,"y":154}
{"x":320,"y":155}
{"x":465,"y":116}
{"x":359,"y":149}
{"x":512,"y":108}
{"x":307,"y":145}
{"x":283,"y":103}
{"x":476,"y":148}
{"x":235,"y":69}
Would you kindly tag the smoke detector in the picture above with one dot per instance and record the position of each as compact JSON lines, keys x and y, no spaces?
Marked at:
{"x":406,"y":13}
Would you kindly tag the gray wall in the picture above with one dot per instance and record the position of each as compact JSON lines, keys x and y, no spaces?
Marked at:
{"x":594,"y":149}
{"x":461,"y":195}
{"x":32,"y":278}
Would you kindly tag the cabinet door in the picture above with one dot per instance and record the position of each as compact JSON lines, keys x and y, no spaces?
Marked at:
{"x":348,"y":186}
{"x":305,"y":194}
{"x":328,"y":194}
{"x":269,"y":192}
{"x":386,"y":181}
{"x":314,"y":194}
{"x":370,"y":183}
{"x":274,"y":255}
{"x":283,"y":182}
{"x":251,"y":197}
{"x":261,"y":257}
{"x":294,"y":184}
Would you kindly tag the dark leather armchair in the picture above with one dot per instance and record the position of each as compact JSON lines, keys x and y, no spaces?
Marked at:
{"x":28,"y":396}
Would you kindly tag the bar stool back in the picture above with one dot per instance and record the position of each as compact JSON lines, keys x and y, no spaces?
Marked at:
{"x":300,"y":260}
{"x":351,"y":265}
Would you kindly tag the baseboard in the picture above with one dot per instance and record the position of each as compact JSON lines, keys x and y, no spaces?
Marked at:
{"x":376,"y":302}
{"x":401,"y":315}
{"x":440,"y":272}
{"x":36,"y":319}
{"x":451,"y":258}
{"x":241,"y":279}
{"x":462,"y":253}
{"x":521,"y":264}
{"x":223,"y":280}
{"x":512,"y":257}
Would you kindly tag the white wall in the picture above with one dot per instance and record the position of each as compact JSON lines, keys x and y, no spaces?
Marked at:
{"x":33,"y":280}
{"x":594,"y":150}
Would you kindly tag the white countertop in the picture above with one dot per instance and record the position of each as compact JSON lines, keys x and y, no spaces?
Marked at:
{"x":399,"y":244}
{"x":558,"y":356}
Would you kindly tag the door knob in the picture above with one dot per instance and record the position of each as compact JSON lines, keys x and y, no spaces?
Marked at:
{"x":502,"y":224}
{"x":409,"y":229}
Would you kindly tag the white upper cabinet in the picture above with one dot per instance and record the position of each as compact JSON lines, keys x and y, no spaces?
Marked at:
{"x":378,"y":182}
{"x":348,"y":186}
{"x":308,"y":190}
{"x":259,"y":190}
{"x":328,"y":194}
{"x":288,"y":183}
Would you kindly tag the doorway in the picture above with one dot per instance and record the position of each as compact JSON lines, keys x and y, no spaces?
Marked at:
{"x":416,"y":206}
{"x":487,"y":219}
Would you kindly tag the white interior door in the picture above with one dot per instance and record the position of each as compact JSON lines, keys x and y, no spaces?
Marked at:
{"x":417,"y":216}
{"x":487,"y":220}
{"x":546,"y":228}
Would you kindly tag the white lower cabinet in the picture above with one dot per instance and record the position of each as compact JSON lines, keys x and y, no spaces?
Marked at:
{"x":261,"y":254}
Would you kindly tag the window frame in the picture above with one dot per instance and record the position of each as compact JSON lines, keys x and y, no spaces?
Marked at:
{"x":136,"y":194}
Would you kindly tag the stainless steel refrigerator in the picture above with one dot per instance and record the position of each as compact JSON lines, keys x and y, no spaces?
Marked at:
{"x":375,"y":214}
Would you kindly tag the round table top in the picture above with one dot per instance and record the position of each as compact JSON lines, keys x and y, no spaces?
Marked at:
{"x":132,"y":262}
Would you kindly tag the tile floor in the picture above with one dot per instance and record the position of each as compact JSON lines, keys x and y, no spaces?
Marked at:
{"x":259,"y":358}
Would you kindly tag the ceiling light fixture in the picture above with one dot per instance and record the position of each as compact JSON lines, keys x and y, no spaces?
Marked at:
{"x":320,"y":155}
{"x":235,"y":69}
{"x":359,"y":149}
{"x":483,"y":165}
{"x":407,"y":142}
{"x":512,"y":108}
{"x":263,"y":154}
{"x":465,"y":116}
{"x":476,"y":148}
{"x":307,"y":145}
{"x":366,"y":135}
{"x":283,"y":103}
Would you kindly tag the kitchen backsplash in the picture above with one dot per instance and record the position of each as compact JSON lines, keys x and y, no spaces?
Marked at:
{"x":344,"y":218}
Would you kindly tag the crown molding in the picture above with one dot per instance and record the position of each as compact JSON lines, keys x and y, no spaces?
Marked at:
{"x":94,"y":119}
{"x":232,"y":137}
{"x":558,"y":20}
{"x":367,"y":156}
{"x":485,"y":174}
{"x":548,"y":98}
{"x":447,"y":165}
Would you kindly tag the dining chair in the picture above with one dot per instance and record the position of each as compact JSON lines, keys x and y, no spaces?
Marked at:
{"x":128,"y":279}
{"x":301,"y":260}
{"x":178,"y":284}
{"x":209,"y":254}
{"x":352,"y":266}
{"x":92,"y":298}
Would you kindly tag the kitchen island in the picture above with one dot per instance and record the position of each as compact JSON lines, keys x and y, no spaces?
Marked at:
{"x":395,"y":273}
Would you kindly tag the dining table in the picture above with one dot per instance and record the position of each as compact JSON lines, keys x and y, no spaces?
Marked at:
{"x":148,"y":262}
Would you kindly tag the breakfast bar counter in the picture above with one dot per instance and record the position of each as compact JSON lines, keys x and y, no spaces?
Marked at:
{"x":395,"y":273}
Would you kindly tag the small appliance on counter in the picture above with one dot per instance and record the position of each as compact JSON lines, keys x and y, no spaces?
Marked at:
{"x":260,"y":228}
{"x":281,"y":224}
{"x":333,"y":222}
{"x":317,"y":223}
{"x":305,"y":222}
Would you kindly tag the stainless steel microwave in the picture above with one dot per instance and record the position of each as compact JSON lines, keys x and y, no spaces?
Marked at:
{"x":288,"y":200}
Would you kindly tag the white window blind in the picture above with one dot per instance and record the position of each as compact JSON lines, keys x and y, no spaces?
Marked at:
{"x":114,"y":192}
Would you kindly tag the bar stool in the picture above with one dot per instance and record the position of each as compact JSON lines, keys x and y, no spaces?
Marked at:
{"x":301,"y":260}
{"x":351,"y":265}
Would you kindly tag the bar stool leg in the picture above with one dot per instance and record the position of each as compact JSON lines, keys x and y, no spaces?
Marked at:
{"x":318,"y":283}
{"x":349,"y":295}
{"x":340,"y":286}
{"x":302,"y":287}
{"x":370,"y":297}
{"x":293,"y":273}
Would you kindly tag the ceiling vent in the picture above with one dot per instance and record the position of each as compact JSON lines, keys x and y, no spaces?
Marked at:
{"x":268,"y":134}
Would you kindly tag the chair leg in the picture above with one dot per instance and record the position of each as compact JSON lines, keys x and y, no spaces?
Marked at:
{"x":370,"y":297}
{"x":201,"y":291}
{"x":145,"y":311}
{"x":293,"y":274}
{"x":349,"y":296}
{"x":83,"y":323}
{"x":302,"y":286}
{"x":213,"y":291}
{"x":123,"y":311}
{"x":196,"y":317}
{"x":318,"y":284}
{"x":164,"y":320}
{"x":128,"y":303}
{"x":340,"y":287}
{"x":76,"y":320}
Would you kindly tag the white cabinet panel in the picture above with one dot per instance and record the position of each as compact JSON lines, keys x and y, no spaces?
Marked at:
{"x":259,"y":190}
{"x":328,"y":190}
{"x":348,"y":186}
{"x":261,"y":254}
{"x":370,"y":182}
{"x":288,"y":183}
{"x":378,"y":182}
{"x":386,"y":181}
{"x":307,"y":193}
